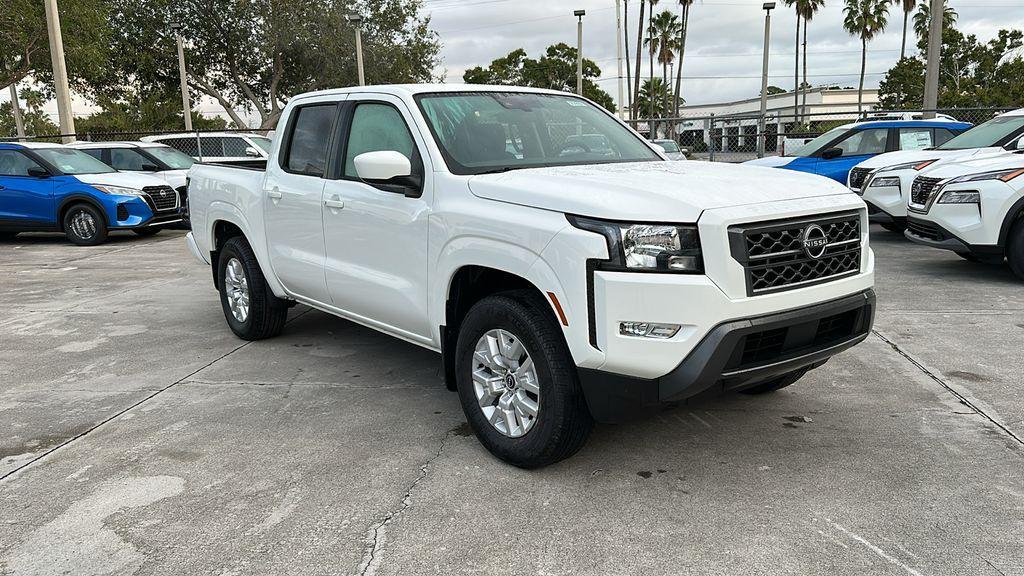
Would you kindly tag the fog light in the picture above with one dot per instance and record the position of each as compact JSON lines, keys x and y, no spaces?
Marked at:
{"x":648,"y":330}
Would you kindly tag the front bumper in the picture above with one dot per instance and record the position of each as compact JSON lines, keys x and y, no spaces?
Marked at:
{"x":930,"y":233}
{"x":737,"y":354}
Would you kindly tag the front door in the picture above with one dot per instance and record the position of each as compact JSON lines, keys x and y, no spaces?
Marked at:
{"x":377,"y":234}
{"x":294,"y":188}
{"x":25,"y":201}
{"x":857,"y":147}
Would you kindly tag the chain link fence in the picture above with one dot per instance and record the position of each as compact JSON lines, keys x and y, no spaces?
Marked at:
{"x":734,"y":137}
{"x":201,"y":144}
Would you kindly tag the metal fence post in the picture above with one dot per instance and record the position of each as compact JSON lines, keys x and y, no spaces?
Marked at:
{"x":199,"y":146}
{"x":711,"y":137}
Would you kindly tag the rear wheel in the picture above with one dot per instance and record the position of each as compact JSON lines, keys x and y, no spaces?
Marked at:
{"x":251,"y":309}
{"x":1015,"y":249}
{"x":776,"y":383}
{"x":85,"y":225}
{"x":517,"y":382}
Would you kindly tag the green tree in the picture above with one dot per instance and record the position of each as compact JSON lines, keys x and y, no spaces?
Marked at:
{"x":652,"y":92}
{"x":663,"y":41}
{"x":908,"y":7}
{"x":145,"y":113}
{"x":922,"y":20}
{"x":865,"y":19}
{"x":682,"y":52}
{"x":806,"y":9}
{"x":556,"y":70}
{"x":36,"y":121}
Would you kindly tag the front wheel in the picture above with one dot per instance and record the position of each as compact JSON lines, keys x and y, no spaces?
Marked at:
{"x":251,"y":309}
{"x":1015,"y":249}
{"x":84,"y":225}
{"x":517,"y":382}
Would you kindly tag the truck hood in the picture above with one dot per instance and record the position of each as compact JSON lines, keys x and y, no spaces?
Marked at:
{"x":977,"y":165}
{"x":907,"y":156}
{"x":126,"y":179}
{"x":649,"y":191}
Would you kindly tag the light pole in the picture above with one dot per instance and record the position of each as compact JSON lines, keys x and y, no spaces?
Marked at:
{"x":768,"y":7}
{"x":186,"y":105}
{"x":60,"y":71}
{"x":931,"y":77}
{"x":579,"y":50}
{"x":357,"y":21}
{"x":618,"y":51}
{"x":19,"y":123}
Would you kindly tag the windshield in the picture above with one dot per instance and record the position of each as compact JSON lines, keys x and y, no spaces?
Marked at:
{"x":72,"y":162}
{"x":171,"y":158}
{"x":813,"y":146}
{"x":667,"y":145}
{"x":991,"y":133}
{"x":481,"y":132}
{"x":261,"y":142}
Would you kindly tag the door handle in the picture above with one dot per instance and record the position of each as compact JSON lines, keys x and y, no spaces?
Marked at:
{"x":275,"y":194}
{"x":335,"y":203}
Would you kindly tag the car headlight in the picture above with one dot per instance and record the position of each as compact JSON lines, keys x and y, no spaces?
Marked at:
{"x":885,"y":181}
{"x":118,"y":190}
{"x":960,"y":197}
{"x":1004,"y":175}
{"x":648,"y":247}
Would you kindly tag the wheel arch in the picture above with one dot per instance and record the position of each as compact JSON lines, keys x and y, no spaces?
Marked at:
{"x":79,"y":198}
{"x":1013,"y":215}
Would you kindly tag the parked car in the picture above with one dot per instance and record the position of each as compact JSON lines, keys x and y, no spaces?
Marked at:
{"x":974,"y":208}
{"x":558,"y":289}
{"x":835,"y":152}
{"x":49,"y":187}
{"x":220,"y":147}
{"x":672,"y":150}
{"x":882,"y":180}
{"x":877,"y":116}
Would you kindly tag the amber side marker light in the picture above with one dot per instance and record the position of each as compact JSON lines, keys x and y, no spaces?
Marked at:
{"x":558,"y":308}
{"x":1011,"y":175}
{"x":924,"y":165}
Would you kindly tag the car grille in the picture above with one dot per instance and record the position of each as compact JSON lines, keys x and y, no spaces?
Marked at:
{"x":922,"y":189}
{"x":162,"y":198}
{"x":775,"y":258}
{"x":923,"y":229}
{"x":857,"y":177}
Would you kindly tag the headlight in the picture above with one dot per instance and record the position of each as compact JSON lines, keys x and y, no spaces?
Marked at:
{"x":960,"y":197}
{"x":118,"y":190}
{"x":1004,"y":175}
{"x":648,"y":247}
{"x":885,"y":181}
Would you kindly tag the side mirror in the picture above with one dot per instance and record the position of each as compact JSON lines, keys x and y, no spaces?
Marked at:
{"x":150,"y":168}
{"x":1020,"y":144}
{"x":252,"y":152}
{"x":37,"y":172}
{"x":382,"y":166}
{"x":831,"y":153}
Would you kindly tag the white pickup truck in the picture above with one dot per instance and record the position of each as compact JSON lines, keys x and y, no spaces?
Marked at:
{"x":561,"y":285}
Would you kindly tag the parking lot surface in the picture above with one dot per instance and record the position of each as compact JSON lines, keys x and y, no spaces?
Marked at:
{"x":139,"y":436}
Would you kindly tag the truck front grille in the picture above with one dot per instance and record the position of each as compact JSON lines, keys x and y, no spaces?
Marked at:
{"x":921,"y":190}
{"x":857,"y":177}
{"x":162,"y":198}
{"x":788,"y":254}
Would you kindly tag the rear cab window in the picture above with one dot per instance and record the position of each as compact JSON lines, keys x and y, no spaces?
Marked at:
{"x":308,"y":138}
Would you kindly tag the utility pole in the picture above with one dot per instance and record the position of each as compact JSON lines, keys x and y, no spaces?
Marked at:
{"x":357,"y":21}
{"x":19,"y":123}
{"x":579,"y":50}
{"x":618,"y":51}
{"x":186,"y":105}
{"x":931,"y":79}
{"x":768,"y":7}
{"x":60,"y":72}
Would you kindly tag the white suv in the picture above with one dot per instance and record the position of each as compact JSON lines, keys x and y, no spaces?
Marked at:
{"x":885,"y":180}
{"x":220,"y":147}
{"x":974,"y":208}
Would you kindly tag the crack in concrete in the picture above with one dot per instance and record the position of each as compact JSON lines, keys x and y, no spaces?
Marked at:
{"x":963,"y":399}
{"x":376,"y":536}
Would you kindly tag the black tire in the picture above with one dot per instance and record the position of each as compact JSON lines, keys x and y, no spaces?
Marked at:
{"x":776,"y":383}
{"x":266,"y":313}
{"x":146,"y":232}
{"x":563,"y":422}
{"x":1015,"y":248}
{"x":7,"y":236}
{"x":84,"y":225}
{"x":894,"y":227}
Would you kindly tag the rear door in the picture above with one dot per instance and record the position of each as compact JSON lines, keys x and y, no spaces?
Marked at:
{"x":25,"y":201}
{"x":917,"y":138}
{"x":294,"y":188}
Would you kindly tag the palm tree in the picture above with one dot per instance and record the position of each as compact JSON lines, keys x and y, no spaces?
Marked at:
{"x":807,"y":9}
{"x":650,"y":51}
{"x":682,"y":50}
{"x":923,"y":19}
{"x":653,"y":91}
{"x":663,"y":41}
{"x":629,"y":71}
{"x":796,"y":63}
{"x":865,"y":19}
{"x":908,"y":7}
{"x":639,"y":45}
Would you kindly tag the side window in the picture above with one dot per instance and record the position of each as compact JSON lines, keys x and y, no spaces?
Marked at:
{"x":184,"y":145}
{"x":96,"y":153}
{"x":942,"y":136}
{"x":377,"y":128}
{"x":307,"y":143}
{"x":871,"y":141}
{"x":213,"y":146}
{"x":14,"y":163}
{"x":127,"y":159}
{"x":234,"y":147}
{"x":915,"y":138}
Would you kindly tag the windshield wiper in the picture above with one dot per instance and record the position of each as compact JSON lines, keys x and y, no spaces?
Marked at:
{"x":498,"y":170}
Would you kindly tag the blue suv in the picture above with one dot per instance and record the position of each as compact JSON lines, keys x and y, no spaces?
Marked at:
{"x":54,"y":188}
{"x":835,"y":152}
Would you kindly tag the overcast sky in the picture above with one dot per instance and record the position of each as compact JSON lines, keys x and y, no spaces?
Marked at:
{"x":723,"y":50}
